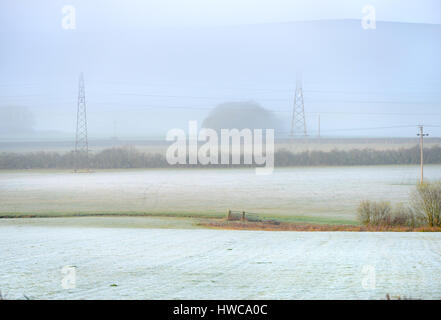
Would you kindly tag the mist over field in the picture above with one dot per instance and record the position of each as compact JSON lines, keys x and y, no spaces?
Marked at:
{"x":143,"y":79}
{"x":110,"y":189}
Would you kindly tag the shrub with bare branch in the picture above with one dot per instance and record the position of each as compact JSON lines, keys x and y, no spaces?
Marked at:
{"x":426,"y":202}
{"x":371,"y":213}
{"x":374,"y":213}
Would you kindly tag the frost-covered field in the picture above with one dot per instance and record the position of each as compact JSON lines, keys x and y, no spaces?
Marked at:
{"x":328,"y":192}
{"x":216,"y":264}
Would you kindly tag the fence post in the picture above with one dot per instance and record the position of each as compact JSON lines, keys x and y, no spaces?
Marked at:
{"x":229,"y":214}
{"x":243,"y":215}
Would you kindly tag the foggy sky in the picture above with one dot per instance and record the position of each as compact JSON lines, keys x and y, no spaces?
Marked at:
{"x":151,"y":66}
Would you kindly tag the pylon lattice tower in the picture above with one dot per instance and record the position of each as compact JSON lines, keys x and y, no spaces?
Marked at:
{"x":298,"y":123}
{"x":81,"y":143}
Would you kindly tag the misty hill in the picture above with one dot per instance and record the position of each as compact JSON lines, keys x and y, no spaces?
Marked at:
{"x":345,"y":68}
{"x":331,"y":49}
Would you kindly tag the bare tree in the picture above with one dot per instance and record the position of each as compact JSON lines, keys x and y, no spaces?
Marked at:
{"x":426,"y":201}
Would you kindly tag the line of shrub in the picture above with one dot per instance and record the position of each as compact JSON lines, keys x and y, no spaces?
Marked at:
{"x":424,"y":209}
{"x":130,"y":157}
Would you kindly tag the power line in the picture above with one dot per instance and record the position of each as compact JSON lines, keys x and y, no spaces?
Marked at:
{"x":361,"y":129}
{"x":120,"y":104}
{"x":373,"y":128}
{"x":277,"y":99}
{"x":273,"y":111}
{"x":363,"y":113}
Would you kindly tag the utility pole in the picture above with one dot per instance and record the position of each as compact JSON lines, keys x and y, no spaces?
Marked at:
{"x":422,"y":135}
{"x":81,"y":143}
{"x":298,"y":122}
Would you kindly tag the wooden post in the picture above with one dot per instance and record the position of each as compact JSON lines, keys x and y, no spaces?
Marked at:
{"x":243,"y":215}
{"x":229,"y":214}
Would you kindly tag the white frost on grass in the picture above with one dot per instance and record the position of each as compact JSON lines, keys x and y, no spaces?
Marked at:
{"x":216,"y":264}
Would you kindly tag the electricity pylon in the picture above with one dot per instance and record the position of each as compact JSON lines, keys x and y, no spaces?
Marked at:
{"x":298,"y":123}
{"x":81,"y":143}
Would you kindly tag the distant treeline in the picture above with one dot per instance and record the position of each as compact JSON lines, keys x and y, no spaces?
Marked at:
{"x":129,"y":157}
{"x":353,"y":157}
